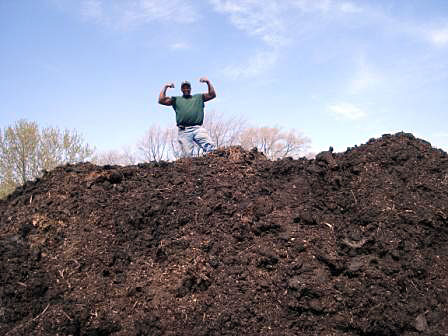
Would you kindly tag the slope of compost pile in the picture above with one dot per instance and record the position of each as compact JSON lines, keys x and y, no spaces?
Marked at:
{"x":352,"y":243}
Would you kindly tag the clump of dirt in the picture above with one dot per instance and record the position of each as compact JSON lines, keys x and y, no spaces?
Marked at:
{"x":352,"y":243}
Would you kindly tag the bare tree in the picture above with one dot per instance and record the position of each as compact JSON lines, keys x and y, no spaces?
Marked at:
{"x":25,"y":151}
{"x":155,"y":145}
{"x":274,"y":142}
{"x":125,"y":157}
{"x":129,"y":156}
{"x":295,"y":144}
{"x":174,"y":146}
{"x":224,"y":130}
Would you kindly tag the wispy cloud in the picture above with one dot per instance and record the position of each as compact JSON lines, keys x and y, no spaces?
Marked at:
{"x":129,"y":13}
{"x":347,"y":111}
{"x":256,"y":65}
{"x":166,"y":10}
{"x":438,"y":36}
{"x":365,"y":77}
{"x":350,"y":7}
{"x":436,"y":33}
{"x":179,"y":46}
{"x":255,"y":18}
{"x":326,"y":6}
{"x":271,"y":22}
{"x":312,"y":5}
{"x":92,"y":9}
{"x":262,"y":20}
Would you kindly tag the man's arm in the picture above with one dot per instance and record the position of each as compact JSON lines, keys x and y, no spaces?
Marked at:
{"x":211,"y":90}
{"x":163,"y":99}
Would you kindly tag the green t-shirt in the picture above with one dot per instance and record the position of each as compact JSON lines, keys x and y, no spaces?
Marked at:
{"x":189,"y":111}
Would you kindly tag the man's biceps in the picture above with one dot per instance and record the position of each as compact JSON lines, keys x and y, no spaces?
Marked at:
{"x":166,"y":101}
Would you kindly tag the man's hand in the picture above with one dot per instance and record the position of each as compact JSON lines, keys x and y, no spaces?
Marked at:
{"x":204,"y":80}
{"x":170,"y":85}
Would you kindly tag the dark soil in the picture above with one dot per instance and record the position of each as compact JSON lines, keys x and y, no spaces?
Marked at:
{"x":352,"y":243}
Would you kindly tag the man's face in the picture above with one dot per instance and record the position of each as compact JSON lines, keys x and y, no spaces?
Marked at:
{"x":186,"y":90}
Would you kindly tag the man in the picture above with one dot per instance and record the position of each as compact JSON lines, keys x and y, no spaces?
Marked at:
{"x":190,"y":116}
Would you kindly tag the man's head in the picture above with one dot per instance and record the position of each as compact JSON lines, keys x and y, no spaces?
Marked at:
{"x":186,"y":88}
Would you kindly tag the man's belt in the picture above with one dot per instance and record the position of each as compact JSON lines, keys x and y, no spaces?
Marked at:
{"x":182,"y":127}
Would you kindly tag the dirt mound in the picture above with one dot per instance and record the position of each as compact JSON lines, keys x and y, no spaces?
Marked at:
{"x":352,"y":243}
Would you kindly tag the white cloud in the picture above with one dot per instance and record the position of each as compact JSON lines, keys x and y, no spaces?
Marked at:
{"x":270,"y":20}
{"x":180,"y":46}
{"x":312,"y":5}
{"x":129,"y":13}
{"x":262,"y":61}
{"x":347,"y":111}
{"x":365,"y":77}
{"x":438,"y":37}
{"x":326,"y":6}
{"x":255,"y":18}
{"x":262,"y":20}
{"x":435,"y":33}
{"x":349,"y":7}
{"x":167,"y":9}
{"x":92,"y":9}
{"x":277,"y":23}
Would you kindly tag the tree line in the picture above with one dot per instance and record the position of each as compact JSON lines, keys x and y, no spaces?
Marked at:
{"x":26,"y":150}
{"x":160,"y":144}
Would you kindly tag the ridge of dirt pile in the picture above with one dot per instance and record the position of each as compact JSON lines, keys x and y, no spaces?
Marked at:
{"x":352,"y":243}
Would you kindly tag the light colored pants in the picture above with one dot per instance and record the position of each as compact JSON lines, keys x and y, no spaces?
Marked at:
{"x":194,"y":135}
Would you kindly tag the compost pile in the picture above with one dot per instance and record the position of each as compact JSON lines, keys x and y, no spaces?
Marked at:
{"x":352,"y":243}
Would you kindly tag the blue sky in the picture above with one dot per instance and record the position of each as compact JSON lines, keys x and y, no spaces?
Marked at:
{"x":339,"y":71}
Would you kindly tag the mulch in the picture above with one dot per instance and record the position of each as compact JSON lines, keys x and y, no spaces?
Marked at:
{"x":352,"y":243}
